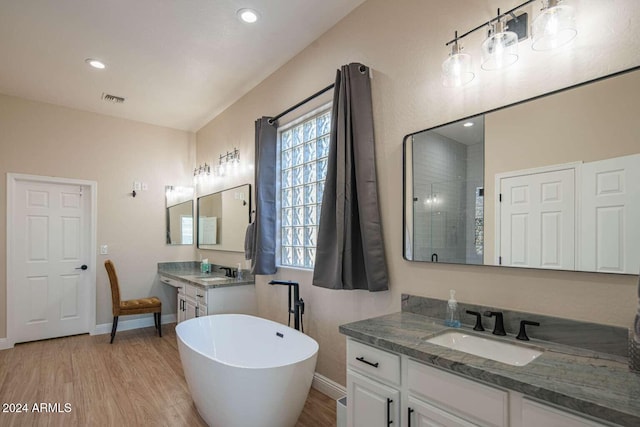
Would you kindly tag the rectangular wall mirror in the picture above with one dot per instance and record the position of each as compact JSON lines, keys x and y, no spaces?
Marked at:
{"x":223,"y":218}
{"x":179,"y":206}
{"x":548,"y":183}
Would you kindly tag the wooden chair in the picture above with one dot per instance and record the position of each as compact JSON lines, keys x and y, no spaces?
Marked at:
{"x":132,"y":306}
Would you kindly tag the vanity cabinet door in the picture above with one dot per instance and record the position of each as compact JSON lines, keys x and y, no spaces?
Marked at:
{"x":190,"y":309}
{"x":180,"y":310}
{"x":371,"y":403}
{"x":422,"y":414}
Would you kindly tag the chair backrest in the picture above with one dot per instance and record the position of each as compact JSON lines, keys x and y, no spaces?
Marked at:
{"x":115,"y":288}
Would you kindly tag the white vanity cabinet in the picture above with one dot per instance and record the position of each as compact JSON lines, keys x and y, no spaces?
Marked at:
{"x":389,"y":389}
{"x":196,"y":301}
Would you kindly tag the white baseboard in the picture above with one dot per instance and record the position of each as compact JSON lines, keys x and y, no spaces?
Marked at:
{"x":4,"y":344}
{"x":329,"y":387}
{"x":126,"y":325}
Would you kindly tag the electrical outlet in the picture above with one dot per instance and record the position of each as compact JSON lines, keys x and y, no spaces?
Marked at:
{"x":136,"y":186}
{"x":145,"y":187}
{"x":104,"y":250}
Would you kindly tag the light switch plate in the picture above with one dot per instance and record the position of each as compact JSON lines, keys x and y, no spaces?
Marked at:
{"x":104,"y":249}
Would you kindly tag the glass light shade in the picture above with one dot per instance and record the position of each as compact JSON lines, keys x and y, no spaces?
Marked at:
{"x":457,"y":68}
{"x":500,"y":49}
{"x":554,"y":27}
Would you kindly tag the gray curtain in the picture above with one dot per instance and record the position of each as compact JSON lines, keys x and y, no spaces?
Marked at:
{"x":350,"y":250}
{"x":263,"y":260}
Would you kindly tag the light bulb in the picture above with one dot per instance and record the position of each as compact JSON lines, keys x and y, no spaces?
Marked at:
{"x":456,"y":69}
{"x":500,"y":49}
{"x":554,"y":27}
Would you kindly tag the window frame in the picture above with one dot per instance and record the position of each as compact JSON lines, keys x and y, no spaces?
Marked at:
{"x":315,"y":113}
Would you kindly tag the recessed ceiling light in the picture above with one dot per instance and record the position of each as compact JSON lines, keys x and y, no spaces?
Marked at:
{"x":248,"y":15}
{"x":95,"y":63}
{"x":468,"y":124}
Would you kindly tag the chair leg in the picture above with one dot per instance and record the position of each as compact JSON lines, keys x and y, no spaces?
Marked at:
{"x":159,"y":324}
{"x":155,"y":320}
{"x":113,"y":328}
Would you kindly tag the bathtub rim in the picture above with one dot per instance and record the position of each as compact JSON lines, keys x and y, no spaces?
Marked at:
{"x":314,"y":353}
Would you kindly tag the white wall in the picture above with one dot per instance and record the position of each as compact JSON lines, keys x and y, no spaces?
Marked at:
{"x":403,"y":42}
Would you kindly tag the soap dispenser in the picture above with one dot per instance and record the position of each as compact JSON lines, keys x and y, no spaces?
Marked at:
{"x":453,"y":317}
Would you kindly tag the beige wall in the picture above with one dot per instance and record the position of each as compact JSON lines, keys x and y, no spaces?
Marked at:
{"x":593,"y":122}
{"x":42,"y":139}
{"x":403,"y":42}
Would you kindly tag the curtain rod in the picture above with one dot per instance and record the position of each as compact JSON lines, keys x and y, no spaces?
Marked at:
{"x":301,"y":103}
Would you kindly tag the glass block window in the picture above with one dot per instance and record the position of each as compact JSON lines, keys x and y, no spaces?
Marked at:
{"x":304,"y":147}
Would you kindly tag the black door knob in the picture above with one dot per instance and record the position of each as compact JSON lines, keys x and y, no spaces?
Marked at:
{"x":83,"y":267}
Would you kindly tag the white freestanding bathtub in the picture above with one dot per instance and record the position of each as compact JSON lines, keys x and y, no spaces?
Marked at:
{"x":246,"y":371}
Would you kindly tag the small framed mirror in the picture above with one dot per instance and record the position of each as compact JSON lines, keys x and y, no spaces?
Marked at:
{"x":179,"y":207}
{"x":223,"y":218}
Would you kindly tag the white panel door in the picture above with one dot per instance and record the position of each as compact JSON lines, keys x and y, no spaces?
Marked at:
{"x":537,"y":220}
{"x":51,"y":238}
{"x":610,"y":229}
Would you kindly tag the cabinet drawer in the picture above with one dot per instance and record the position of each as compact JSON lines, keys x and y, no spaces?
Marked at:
{"x":170,"y":282}
{"x":471,"y":400}
{"x":373,"y":362}
{"x":536,"y":414}
{"x":195,"y":292}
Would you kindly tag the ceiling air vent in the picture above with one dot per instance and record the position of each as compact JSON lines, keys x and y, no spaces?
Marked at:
{"x":112,"y":98}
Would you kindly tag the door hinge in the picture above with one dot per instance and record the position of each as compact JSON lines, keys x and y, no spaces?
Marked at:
{"x":500,"y":197}
{"x":499,"y":260}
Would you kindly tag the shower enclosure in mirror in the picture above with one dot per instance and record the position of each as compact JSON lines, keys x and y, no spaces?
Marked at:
{"x":557,"y":186}
{"x":223,"y":218}
{"x":179,"y":206}
{"x":446,"y":193}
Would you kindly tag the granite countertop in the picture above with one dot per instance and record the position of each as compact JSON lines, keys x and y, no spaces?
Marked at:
{"x":596,"y":384}
{"x":189,"y":272}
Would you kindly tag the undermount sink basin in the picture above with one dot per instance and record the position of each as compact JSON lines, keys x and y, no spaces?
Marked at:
{"x":214,"y":279}
{"x":511,"y":354}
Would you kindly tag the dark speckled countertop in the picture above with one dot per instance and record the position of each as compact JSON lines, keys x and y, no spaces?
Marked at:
{"x":596,"y":384}
{"x":189,"y":272}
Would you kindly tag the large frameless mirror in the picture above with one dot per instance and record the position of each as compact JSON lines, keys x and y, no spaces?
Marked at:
{"x":223,"y":218}
{"x":559,"y":187}
{"x":179,"y":207}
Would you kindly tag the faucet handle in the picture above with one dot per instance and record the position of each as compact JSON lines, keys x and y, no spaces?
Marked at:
{"x":498,"y":327}
{"x":522,"y":335}
{"x":478,"y":326}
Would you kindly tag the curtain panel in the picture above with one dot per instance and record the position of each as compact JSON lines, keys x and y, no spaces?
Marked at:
{"x":350,"y":250}
{"x":263,"y":259}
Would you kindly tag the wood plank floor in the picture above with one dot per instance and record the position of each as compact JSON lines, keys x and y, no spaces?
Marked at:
{"x":137,"y":381}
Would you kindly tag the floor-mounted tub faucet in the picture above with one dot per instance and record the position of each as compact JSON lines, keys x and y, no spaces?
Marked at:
{"x":298,"y":303}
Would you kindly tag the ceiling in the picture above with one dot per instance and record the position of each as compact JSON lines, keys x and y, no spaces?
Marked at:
{"x":177,"y":63}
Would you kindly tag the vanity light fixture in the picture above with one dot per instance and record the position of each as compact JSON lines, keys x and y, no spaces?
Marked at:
{"x":201,"y":173}
{"x":554,"y":27}
{"x":500,"y":49}
{"x":95,"y":63}
{"x":229,"y":162}
{"x":248,"y":15}
{"x":457,"y":68}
